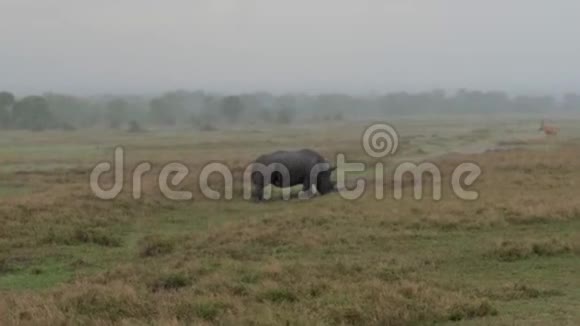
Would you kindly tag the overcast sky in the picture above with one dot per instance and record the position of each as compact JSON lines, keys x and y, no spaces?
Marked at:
{"x":118,"y":46}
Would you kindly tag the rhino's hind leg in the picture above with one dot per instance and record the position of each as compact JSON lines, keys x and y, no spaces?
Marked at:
{"x":257,"y":192}
{"x":257,"y":185}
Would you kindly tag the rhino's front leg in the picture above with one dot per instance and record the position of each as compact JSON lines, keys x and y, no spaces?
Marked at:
{"x":308,"y":191}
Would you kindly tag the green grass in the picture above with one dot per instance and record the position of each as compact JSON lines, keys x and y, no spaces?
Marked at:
{"x":60,"y":263}
{"x":41,"y":275}
{"x":11,"y":190}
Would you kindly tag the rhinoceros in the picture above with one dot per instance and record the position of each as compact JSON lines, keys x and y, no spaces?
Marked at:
{"x":285,"y":169}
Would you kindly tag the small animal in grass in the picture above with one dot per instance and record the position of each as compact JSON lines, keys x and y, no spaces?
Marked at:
{"x":549,"y":130}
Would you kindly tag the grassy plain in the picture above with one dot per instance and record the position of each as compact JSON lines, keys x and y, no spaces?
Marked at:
{"x":511,"y":257}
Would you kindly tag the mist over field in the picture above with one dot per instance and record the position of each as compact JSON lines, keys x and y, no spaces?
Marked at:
{"x":230,"y":46}
{"x":200,"y":62}
{"x":127,"y":128}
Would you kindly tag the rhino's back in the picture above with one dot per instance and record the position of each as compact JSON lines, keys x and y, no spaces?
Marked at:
{"x":303,"y":157}
{"x":298,"y":163}
{"x":311,"y":154}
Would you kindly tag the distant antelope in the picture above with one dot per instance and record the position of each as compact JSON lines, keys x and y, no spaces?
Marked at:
{"x":549,"y":130}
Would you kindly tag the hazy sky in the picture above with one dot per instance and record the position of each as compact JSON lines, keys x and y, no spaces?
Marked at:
{"x":88,"y":46}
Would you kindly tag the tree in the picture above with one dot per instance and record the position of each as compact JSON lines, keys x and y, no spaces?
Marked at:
{"x":571,"y":102}
{"x":67,"y":110}
{"x":174,"y":107}
{"x":6,"y":103}
{"x":232,"y":108}
{"x":286,"y":115}
{"x":32,"y":113}
{"x":117,"y":114}
{"x":161,"y":111}
{"x":265,"y":115}
{"x":135,"y":127}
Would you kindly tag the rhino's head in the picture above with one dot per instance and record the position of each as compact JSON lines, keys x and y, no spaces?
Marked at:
{"x":324,"y":183}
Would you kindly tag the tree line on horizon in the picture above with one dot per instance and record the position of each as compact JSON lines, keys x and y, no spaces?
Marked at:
{"x":208,"y":111}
